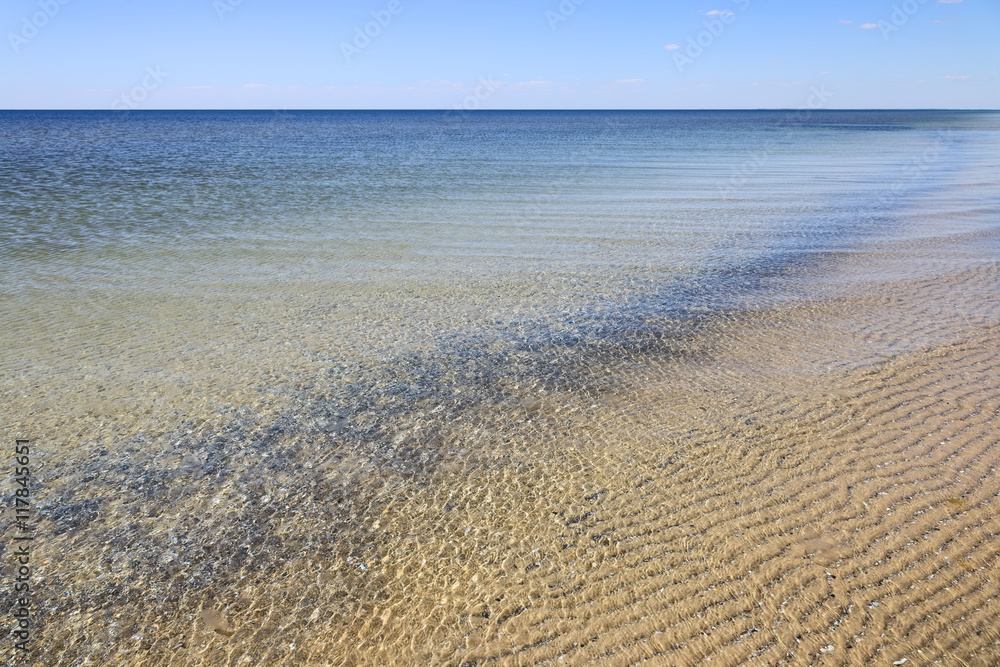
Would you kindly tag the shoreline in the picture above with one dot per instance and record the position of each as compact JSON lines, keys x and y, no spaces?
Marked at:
{"x":845,"y":469}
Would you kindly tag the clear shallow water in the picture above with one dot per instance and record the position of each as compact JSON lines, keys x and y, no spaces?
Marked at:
{"x":185,"y":249}
{"x":396,"y":230}
{"x":381,"y":322}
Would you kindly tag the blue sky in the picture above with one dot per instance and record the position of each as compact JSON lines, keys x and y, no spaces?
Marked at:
{"x":521,"y":54}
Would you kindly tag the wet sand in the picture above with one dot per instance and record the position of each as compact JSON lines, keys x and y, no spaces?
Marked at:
{"x":811,"y":482}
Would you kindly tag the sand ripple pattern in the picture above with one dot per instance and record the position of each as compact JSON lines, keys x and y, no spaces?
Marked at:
{"x":809,"y":484}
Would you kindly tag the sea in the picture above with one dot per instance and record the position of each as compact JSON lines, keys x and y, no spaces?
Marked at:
{"x":160,"y":269}
{"x":277,"y":365}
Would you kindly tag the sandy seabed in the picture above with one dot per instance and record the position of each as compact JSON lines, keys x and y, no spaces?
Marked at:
{"x":810,"y":483}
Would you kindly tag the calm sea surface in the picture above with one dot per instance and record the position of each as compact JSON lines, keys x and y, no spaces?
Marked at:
{"x":149,"y":247}
{"x":591,"y":206}
{"x":375,"y":383}
{"x":205,"y":251}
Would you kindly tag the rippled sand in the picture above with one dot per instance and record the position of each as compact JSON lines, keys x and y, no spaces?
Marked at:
{"x":813,"y":482}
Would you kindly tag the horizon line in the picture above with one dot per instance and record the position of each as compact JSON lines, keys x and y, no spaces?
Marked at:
{"x":463,"y":110}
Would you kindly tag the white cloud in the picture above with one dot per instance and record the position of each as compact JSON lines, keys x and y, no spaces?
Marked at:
{"x":962,"y":77}
{"x":869,"y":26}
{"x":718,"y":12}
{"x":948,"y":2}
{"x":629,"y":81}
{"x":845,"y":21}
{"x":671,"y":47}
